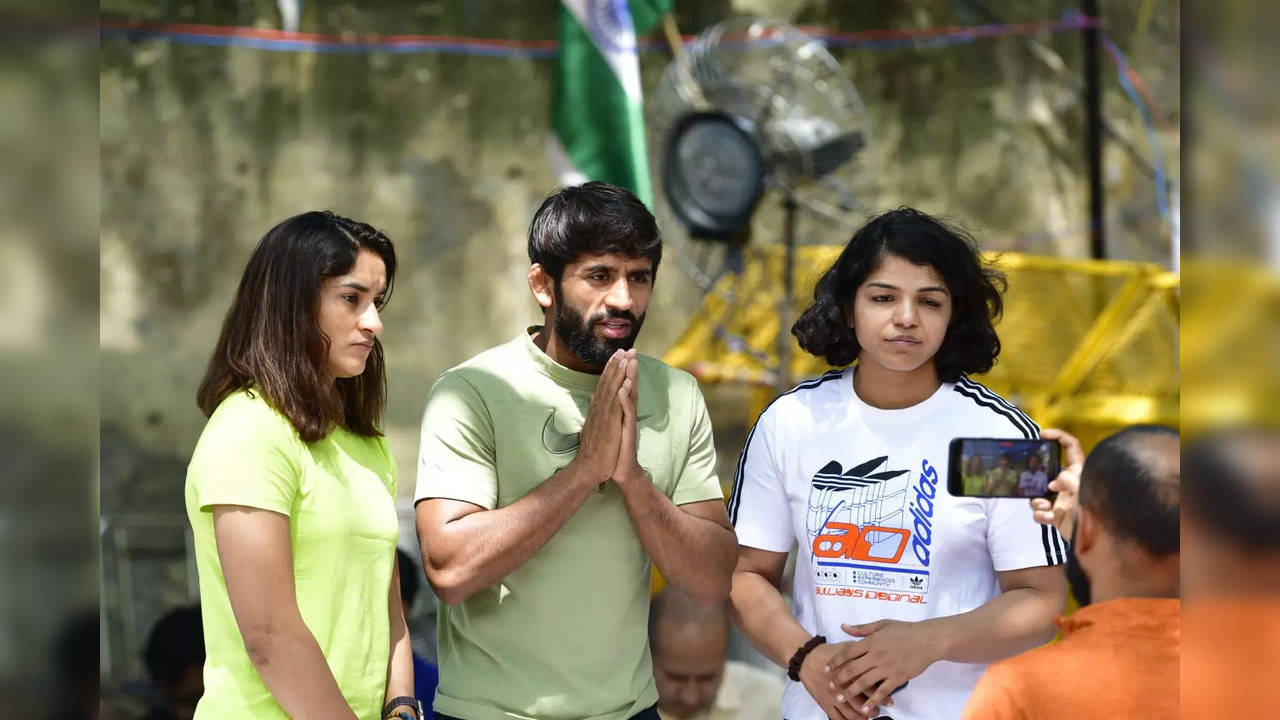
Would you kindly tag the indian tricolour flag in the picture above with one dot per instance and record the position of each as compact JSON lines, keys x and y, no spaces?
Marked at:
{"x":597,"y":123}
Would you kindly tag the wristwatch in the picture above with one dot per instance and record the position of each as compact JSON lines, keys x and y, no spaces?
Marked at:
{"x":402,"y":701}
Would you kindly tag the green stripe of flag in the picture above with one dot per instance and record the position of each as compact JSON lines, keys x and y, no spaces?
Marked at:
{"x":599,"y":125}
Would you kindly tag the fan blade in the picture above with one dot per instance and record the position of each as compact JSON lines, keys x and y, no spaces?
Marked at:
{"x":828,"y":156}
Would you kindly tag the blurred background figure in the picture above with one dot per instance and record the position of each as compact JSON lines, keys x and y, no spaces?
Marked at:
{"x":1123,"y":570}
{"x":690,"y":644}
{"x":75,"y":659}
{"x":1003,"y":478}
{"x":174,"y":657}
{"x":1231,"y":361}
{"x":1231,"y":575}
{"x":1232,"y":522}
{"x":975,"y":478}
{"x":1034,"y":480}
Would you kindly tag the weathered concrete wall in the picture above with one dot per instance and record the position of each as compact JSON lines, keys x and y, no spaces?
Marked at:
{"x":203,"y":149}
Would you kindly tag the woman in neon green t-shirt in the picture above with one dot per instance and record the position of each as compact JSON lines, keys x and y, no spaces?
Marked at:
{"x":974,"y":478}
{"x":291,"y":488}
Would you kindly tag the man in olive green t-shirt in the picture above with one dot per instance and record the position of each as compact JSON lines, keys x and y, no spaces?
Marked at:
{"x":552,"y":469}
{"x":1002,"y":480}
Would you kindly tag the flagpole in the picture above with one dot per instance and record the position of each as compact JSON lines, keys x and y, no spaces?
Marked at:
{"x":672,"y":33}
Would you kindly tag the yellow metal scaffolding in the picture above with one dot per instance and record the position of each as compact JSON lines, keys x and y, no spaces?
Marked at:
{"x":1085,"y":343}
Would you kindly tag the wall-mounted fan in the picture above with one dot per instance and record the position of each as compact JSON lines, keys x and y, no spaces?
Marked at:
{"x":753,"y":109}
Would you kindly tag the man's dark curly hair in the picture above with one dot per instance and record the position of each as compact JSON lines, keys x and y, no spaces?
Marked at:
{"x":971,"y":344}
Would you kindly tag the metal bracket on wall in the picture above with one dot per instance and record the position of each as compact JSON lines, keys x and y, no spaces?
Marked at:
{"x":127,"y":540}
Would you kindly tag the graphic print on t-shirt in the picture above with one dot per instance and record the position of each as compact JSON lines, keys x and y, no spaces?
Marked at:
{"x":870,"y":530}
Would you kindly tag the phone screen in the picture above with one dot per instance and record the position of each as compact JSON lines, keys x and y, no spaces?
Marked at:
{"x":1002,"y":467}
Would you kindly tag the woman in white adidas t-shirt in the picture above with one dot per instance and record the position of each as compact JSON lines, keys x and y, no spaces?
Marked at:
{"x":896,"y":581}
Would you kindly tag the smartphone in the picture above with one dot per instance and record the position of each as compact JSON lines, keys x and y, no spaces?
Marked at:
{"x":1002,"y":467}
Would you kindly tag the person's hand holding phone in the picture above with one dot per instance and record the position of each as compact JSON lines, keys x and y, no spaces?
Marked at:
{"x":1060,"y":513}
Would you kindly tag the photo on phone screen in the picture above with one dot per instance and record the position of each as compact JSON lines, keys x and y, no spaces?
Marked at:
{"x":1003,"y":468}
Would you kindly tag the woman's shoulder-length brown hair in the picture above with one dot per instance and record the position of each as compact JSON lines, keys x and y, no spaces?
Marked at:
{"x":271,"y":342}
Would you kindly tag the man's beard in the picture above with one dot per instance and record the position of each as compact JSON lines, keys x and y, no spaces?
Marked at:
{"x":579,"y":333}
{"x":1077,"y":580}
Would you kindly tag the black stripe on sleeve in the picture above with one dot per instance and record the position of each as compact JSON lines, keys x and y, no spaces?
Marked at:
{"x":994,"y":397}
{"x":735,"y":494}
{"x":1059,"y":545}
{"x":1019,"y":418}
{"x":1011,"y":417}
{"x":1044,"y":538}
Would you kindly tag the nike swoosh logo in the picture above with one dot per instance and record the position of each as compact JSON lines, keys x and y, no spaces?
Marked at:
{"x":556,"y":442}
{"x":559,"y":443}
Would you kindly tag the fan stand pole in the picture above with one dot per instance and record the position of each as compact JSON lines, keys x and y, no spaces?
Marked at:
{"x":785,"y":309}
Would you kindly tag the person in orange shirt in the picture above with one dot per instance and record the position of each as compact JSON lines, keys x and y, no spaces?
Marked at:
{"x":1118,"y":657}
{"x":1231,"y":575}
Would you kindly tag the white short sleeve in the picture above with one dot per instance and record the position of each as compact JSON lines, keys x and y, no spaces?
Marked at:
{"x":1015,"y":540}
{"x":758,"y":507}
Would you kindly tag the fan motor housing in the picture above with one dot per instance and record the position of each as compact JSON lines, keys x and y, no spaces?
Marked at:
{"x":713,"y":173}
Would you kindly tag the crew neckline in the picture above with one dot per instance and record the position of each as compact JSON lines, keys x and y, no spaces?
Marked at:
{"x":553,"y":369}
{"x":895,"y":416}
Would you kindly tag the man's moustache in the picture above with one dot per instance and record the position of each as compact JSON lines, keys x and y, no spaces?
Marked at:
{"x":618,"y":315}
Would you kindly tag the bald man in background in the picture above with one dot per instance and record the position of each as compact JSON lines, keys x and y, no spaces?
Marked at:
{"x":1231,"y":575}
{"x":690,"y":644}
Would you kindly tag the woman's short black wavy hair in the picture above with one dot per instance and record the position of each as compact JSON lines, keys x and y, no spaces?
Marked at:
{"x":971,"y":344}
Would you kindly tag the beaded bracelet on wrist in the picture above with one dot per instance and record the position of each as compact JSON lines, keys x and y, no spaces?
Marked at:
{"x":793,"y":667}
